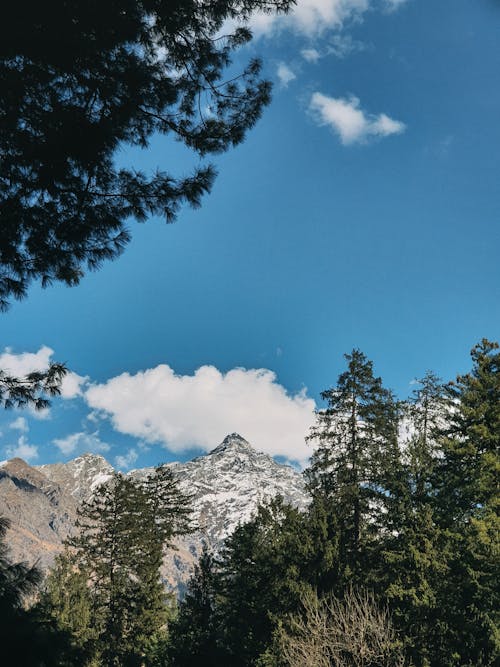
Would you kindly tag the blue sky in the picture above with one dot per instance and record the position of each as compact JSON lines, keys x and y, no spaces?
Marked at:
{"x":362,"y":211}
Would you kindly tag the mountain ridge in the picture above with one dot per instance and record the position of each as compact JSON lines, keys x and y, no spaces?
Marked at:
{"x":227,"y":484}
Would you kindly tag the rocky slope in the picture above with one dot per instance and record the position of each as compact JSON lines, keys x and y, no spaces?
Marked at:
{"x":227,"y":485}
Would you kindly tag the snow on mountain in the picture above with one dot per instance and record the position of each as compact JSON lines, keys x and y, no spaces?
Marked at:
{"x":227,"y":485}
{"x":81,"y":476}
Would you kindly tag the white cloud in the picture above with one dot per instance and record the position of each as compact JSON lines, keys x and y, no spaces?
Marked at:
{"x":392,"y":5}
{"x":82,"y":442}
{"x":343,"y":45}
{"x":22,"y":450}
{"x":71,"y":386}
{"x":20,"y":424}
{"x":185,"y":411}
{"x":285,"y":74}
{"x":339,"y":45}
{"x":23,"y":363}
{"x":41,"y":415}
{"x":352,"y":124}
{"x":127,"y":460}
{"x":310,"y":17}
{"x":311,"y":55}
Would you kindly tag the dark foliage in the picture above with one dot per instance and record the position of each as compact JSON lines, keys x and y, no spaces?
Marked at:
{"x":79,"y":80}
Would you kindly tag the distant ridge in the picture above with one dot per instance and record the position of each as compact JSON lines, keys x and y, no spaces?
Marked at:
{"x":227,"y":484}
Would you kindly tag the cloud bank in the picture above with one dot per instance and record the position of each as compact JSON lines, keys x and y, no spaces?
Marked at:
{"x":182,"y":412}
{"x":313,"y":18}
{"x":353,"y":125}
{"x":310,"y":17}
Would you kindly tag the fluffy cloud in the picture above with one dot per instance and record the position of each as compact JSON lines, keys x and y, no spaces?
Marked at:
{"x":81,"y":442}
{"x":352,"y":124}
{"x":310,"y":17}
{"x":72,"y":384}
{"x":186,"y":411}
{"x":20,"y":424}
{"x":21,"y":364}
{"x":311,"y":55}
{"x":285,"y":74}
{"x":22,"y":450}
{"x":127,"y":460}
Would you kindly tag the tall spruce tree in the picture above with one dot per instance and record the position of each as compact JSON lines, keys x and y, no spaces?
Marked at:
{"x":356,"y":436}
{"x":264,"y":570}
{"x":195,"y":637}
{"x":468,"y":501}
{"x":124,"y":530}
{"x":412,"y":549}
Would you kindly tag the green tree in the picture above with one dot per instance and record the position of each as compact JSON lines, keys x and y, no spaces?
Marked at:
{"x":357,"y":451}
{"x":27,"y":639}
{"x":66,"y":599}
{"x":194,"y":634}
{"x":412,"y":555}
{"x":467,"y":505}
{"x":83,"y":79}
{"x":263,"y":572}
{"x":124,"y":529}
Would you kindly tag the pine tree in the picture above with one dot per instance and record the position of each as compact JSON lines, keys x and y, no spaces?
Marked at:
{"x":412,"y":550}
{"x":124,"y":530}
{"x":120,"y":73}
{"x":32,"y":390}
{"x":264,"y":569}
{"x":467,"y":505}
{"x":27,"y":639}
{"x":357,"y":448}
{"x":194,"y":635}
{"x":66,"y":599}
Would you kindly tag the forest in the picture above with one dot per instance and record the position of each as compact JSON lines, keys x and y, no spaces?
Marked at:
{"x":395,"y":561}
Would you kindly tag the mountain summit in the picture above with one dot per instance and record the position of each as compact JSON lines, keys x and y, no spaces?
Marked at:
{"x":227,"y":485}
{"x":233,"y":442}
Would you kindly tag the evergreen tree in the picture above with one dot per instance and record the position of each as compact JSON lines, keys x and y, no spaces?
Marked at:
{"x":118,"y":73}
{"x":194,"y":635}
{"x":124,"y":530}
{"x":357,"y":449}
{"x":27,"y":639}
{"x":67,"y":600}
{"x":264,"y":569}
{"x":467,"y":504}
{"x":413,"y":550}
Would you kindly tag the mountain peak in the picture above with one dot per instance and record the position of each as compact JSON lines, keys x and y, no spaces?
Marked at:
{"x":233,"y":442}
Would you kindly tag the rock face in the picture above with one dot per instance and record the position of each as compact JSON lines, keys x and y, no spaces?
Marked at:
{"x":227,"y":485}
{"x":41,"y":513}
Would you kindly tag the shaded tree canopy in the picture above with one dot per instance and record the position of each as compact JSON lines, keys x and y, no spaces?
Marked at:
{"x":80,"y":79}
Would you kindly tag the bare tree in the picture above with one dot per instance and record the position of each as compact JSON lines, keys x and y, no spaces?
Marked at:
{"x":349,"y":632}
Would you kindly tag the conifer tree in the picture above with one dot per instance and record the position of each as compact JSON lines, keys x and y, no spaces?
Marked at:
{"x":66,"y":599}
{"x":194,"y":634}
{"x":264,"y":570}
{"x":468,"y":501}
{"x":27,"y":639}
{"x":118,"y":73}
{"x":412,"y":548}
{"x":124,"y":530}
{"x":357,"y":448}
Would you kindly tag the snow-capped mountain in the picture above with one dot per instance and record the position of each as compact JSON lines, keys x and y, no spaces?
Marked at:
{"x":226,"y":484}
